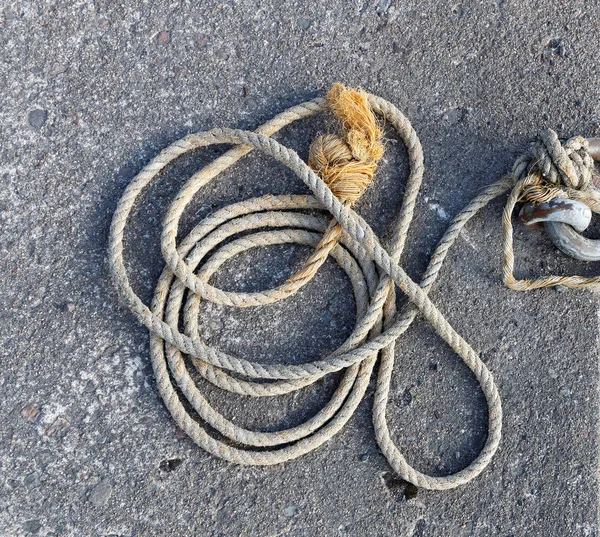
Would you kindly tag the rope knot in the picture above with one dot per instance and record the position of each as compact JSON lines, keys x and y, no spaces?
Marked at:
{"x":347,"y":163}
{"x":552,"y":170}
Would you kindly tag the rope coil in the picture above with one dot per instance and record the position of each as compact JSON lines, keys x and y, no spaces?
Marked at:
{"x":373,"y":271}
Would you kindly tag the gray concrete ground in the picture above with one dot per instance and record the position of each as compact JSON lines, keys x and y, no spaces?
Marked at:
{"x":91,"y":90}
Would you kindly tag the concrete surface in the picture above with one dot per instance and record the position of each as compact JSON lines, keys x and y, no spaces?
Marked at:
{"x":91,"y":90}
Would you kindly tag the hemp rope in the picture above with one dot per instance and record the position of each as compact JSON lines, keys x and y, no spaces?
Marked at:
{"x":373,"y":271}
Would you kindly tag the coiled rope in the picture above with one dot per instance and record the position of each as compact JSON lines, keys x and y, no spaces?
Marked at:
{"x":373,"y":270}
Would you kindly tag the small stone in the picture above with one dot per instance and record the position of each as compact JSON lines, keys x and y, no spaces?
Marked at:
{"x":10,"y":14}
{"x":32,"y":526}
{"x":409,"y":395}
{"x":560,"y":288}
{"x":59,"y":428}
{"x":364,"y":457}
{"x":304,"y":23}
{"x":32,"y":481}
{"x":37,"y":118}
{"x":579,"y":103}
{"x":57,"y":69}
{"x":100,"y":494}
{"x":70,"y":307}
{"x":202,"y":39}
{"x":31,"y":413}
{"x":163,"y":37}
{"x":545,"y":116}
{"x":290,"y":511}
{"x":553,"y":374}
{"x":457,"y":454}
{"x":216,"y":325}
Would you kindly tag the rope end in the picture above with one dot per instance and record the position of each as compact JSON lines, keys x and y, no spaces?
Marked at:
{"x":347,"y":163}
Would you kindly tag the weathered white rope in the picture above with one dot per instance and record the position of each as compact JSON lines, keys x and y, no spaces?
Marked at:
{"x":191,"y":264}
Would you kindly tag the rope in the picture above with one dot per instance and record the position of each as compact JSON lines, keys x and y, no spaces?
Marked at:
{"x":550,"y":170}
{"x":373,"y":270}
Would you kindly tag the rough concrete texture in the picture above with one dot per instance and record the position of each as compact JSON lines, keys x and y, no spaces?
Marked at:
{"x":90,"y":91}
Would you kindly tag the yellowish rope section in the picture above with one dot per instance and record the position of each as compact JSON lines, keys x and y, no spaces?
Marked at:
{"x":345,"y":164}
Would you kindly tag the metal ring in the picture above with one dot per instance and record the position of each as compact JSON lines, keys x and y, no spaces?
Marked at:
{"x":572,"y":243}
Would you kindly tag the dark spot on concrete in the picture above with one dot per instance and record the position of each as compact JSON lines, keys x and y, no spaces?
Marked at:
{"x":168,"y":465}
{"x":32,"y":526}
{"x":37,"y":118}
{"x":409,"y":395}
{"x":400,"y":487}
{"x":419,"y":530}
{"x":410,"y":491}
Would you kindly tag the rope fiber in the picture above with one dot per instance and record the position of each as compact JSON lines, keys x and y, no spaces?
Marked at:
{"x":346,"y":164}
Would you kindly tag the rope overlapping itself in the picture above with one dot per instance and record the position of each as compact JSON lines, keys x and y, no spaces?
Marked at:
{"x":344,"y":167}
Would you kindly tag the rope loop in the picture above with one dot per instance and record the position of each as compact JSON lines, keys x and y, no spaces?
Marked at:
{"x":177,"y":350}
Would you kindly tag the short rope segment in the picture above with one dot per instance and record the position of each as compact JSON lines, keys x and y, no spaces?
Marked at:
{"x":549,"y":170}
{"x":341,"y":166}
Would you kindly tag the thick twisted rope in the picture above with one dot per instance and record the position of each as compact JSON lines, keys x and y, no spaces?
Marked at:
{"x":550,"y":170}
{"x":373,"y":271}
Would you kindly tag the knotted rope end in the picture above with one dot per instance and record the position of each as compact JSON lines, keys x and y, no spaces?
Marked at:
{"x":347,"y":163}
